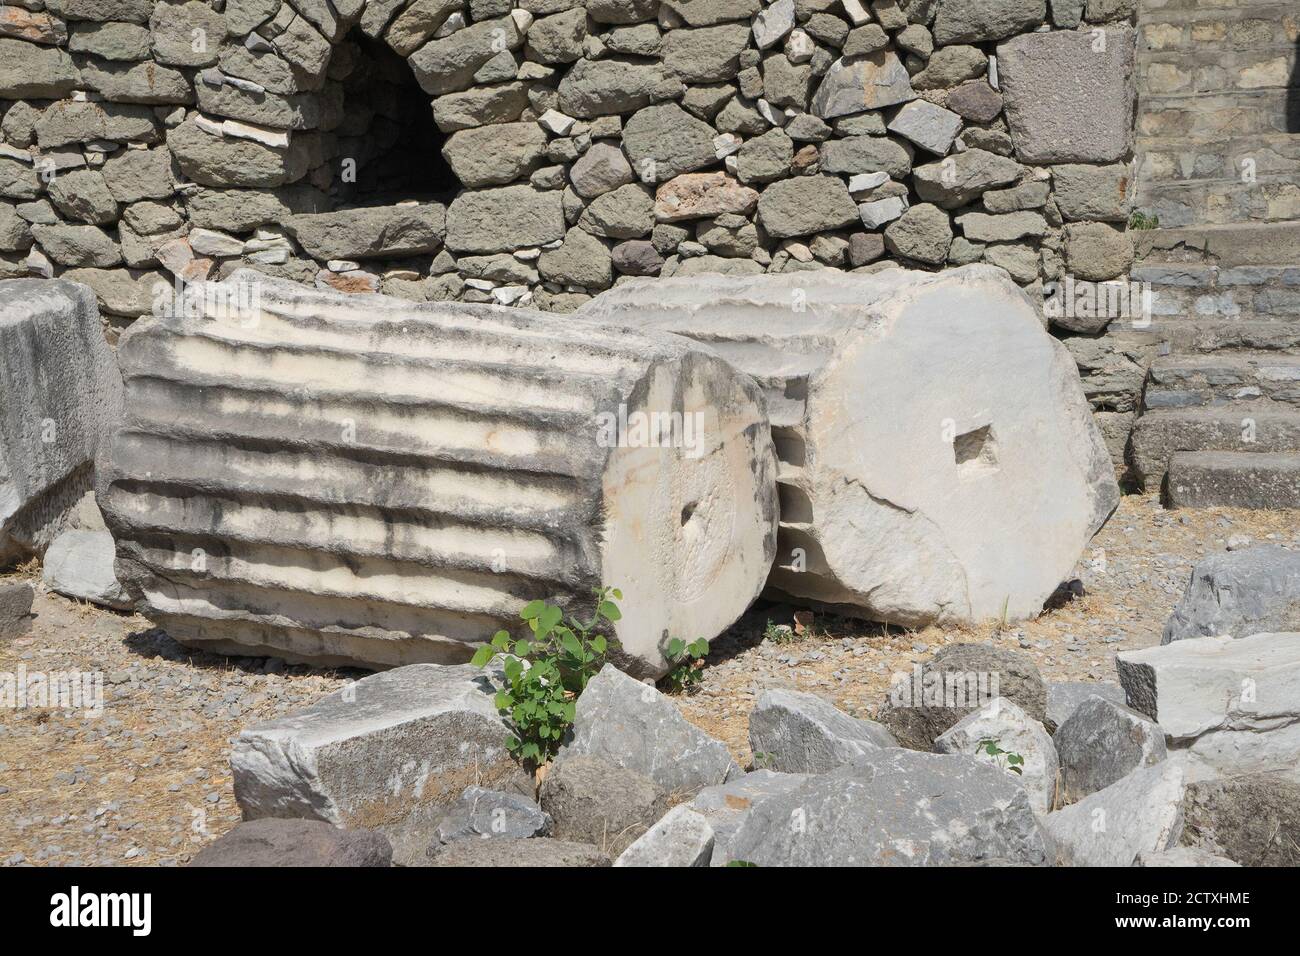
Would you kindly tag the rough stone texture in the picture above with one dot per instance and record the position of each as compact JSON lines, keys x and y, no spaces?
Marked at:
{"x":519,"y":853}
{"x":273,"y":843}
{"x":593,"y":801}
{"x":1066,"y":100}
{"x":1239,"y":593}
{"x":793,"y":732}
{"x":1142,"y":813}
{"x":62,"y":398}
{"x":871,"y":82}
{"x":422,"y":558}
{"x":492,"y":814}
{"x":798,"y":207}
{"x":79,"y":564}
{"x":978,"y":21}
{"x":392,"y":753}
{"x":1101,"y":743}
{"x":727,"y":806}
{"x":15,"y":609}
{"x":1232,"y":704}
{"x":1251,"y":819}
{"x":1182,"y":856}
{"x":957,"y":681}
{"x":951,"y":532}
{"x":1064,"y":697}
{"x":504,"y":219}
{"x":896,"y":808}
{"x":1015,"y":732}
{"x":631,"y":725}
{"x":386,"y":232}
{"x":682,"y":838}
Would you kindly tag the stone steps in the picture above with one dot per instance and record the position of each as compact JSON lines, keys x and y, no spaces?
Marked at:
{"x":1241,"y":293}
{"x":1238,"y":379}
{"x":1236,"y":244}
{"x":1257,"y":26}
{"x":1268,"y":199}
{"x":1233,"y":480}
{"x":1160,"y":434}
{"x":1214,"y":117}
{"x":1212,"y":70}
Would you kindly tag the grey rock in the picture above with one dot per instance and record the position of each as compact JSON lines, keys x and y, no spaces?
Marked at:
{"x":1240,"y":593}
{"x":637,"y":257}
{"x":129,"y":11}
{"x":1066,"y":101}
{"x":69,"y":121}
{"x":787,"y":85}
{"x":373,"y":232}
{"x":704,"y":13}
{"x":950,"y":66}
{"x":793,"y":732}
{"x":447,"y":65}
{"x":867,"y":83}
{"x":78,"y":245}
{"x":1182,"y":857}
{"x":928,"y":126}
{"x":922,"y":233}
{"x":312,"y":843}
{"x":582,"y":259}
{"x":1142,"y":813}
{"x":220,"y":161}
{"x":125,"y":292}
{"x":481,"y":813}
{"x":963,"y":177}
{"x":604,"y":87}
{"x":706,"y":54}
{"x":976,"y":101}
{"x":1064,"y":697}
{"x":519,"y":853}
{"x":867,"y":154}
{"x":805,"y":205}
{"x":558,"y":38}
{"x":1030,"y":195}
{"x":1013,"y":731}
{"x":681,"y":838}
{"x":1251,"y":819}
{"x":978,"y":21}
{"x":1008,"y":227}
{"x":664,"y":141}
{"x":186,"y":34}
{"x":137,"y":174}
{"x":978,"y":673}
{"x":29,"y":71}
{"x":600,"y":169}
{"x":84,"y":196}
{"x":15,"y":609}
{"x":727,"y":806}
{"x":895,"y":808}
{"x":146,"y":82}
{"x":504,"y":219}
{"x":393,"y":751}
{"x":593,"y":801}
{"x":765,"y":158}
{"x":15,"y":233}
{"x":631,"y":725}
{"x":503,"y":103}
{"x":868,"y":38}
{"x":79,"y":564}
{"x":1097,"y":251}
{"x":495,"y":155}
{"x":1101,"y":743}
{"x":624,"y":213}
{"x":1098,"y":193}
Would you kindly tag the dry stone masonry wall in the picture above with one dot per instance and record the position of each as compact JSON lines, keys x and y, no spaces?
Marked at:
{"x":568,"y":145}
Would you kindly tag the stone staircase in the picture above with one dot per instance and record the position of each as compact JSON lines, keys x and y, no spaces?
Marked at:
{"x":1219,"y":165}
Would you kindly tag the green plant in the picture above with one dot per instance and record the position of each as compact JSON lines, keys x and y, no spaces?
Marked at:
{"x":545,"y":672}
{"x":1141,"y":220}
{"x":1014,"y":762}
{"x":779,"y":633}
{"x":687,"y":662}
{"x":740,"y":863}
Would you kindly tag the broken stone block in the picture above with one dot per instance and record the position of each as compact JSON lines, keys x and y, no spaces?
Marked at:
{"x":896,"y":808}
{"x":1239,"y":593}
{"x":629,"y":724}
{"x":1064,"y":697}
{"x":1142,"y":813}
{"x":79,"y":564}
{"x":931,"y":470}
{"x":375,"y":232}
{"x":62,"y":398}
{"x":593,"y":801}
{"x":1231,"y":703}
{"x":728,"y":805}
{"x":392,"y":752}
{"x":864,"y":83}
{"x":682,"y":838}
{"x":1182,"y":856}
{"x":1251,"y":819}
{"x":446,"y":465}
{"x":481,"y":813}
{"x":15,"y":609}
{"x":1101,"y":743}
{"x":261,"y":843}
{"x":792,"y":732}
{"x":1009,"y":729}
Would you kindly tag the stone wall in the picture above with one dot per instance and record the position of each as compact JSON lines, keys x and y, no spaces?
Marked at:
{"x":149,"y":139}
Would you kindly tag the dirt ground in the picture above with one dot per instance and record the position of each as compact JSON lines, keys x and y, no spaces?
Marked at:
{"x":148,"y":780}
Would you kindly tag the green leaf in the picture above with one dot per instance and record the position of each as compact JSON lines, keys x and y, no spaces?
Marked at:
{"x":676,"y":647}
{"x":599,"y":644}
{"x":610,"y":611}
{"x":523,"y":648}
{"x":547,"y":620}
{"x":699,"y":649}
{"x":532,"y":609}
{"x":483,"y":655}
{"x":618,"y":595}
{"x":571,"y":645}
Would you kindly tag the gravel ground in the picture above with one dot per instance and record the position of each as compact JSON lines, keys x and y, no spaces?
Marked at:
{"x":148,"y":781}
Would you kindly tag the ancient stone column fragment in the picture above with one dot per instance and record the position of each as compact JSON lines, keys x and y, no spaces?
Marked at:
{"x":938,"y":461}
{"x":359,"y":480}
{"x":60,"y":398}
